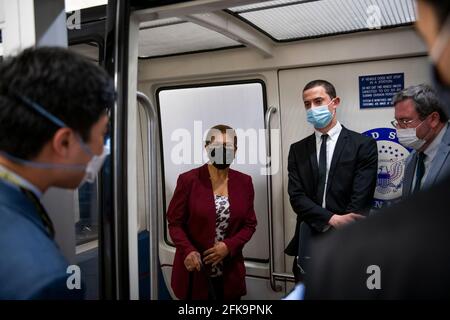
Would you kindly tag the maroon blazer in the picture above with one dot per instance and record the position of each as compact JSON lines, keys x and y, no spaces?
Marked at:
{"x":192,"y":222}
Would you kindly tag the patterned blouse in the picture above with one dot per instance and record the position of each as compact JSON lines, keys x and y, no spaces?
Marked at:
{"x":222,"y":218}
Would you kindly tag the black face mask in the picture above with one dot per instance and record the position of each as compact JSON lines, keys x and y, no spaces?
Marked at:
{"x":221,"y":157}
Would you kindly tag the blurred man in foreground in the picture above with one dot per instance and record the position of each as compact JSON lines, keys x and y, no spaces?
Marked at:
{"x":53,"y":121}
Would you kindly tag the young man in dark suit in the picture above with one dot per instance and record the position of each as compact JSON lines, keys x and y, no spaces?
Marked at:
{"x":405,"y":253}
{"x":332,"y":174}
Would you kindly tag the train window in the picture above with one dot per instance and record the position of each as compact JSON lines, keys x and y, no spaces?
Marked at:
{"x":186,"y":115}
{"x":87,"y":221}
{"x":86,"y":224}
{"x":87,"y":196}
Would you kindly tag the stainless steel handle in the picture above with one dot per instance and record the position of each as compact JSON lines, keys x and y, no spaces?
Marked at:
{"x":274,"y":276}
{"x":152,"y":192}
{"x":268,"y":116}
{"x":283,"y":277}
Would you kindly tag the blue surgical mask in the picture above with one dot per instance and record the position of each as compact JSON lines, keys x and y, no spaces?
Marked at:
{"x":320,"y":116}
{"x":91,"y":169}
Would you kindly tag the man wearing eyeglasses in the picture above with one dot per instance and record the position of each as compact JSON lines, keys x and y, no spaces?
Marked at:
{"x":422,"y":125}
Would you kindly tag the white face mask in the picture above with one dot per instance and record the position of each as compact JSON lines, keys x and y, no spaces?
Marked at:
{"x":408,"y":138}
{"x":94,"y":166}
{"x":91,"y":169}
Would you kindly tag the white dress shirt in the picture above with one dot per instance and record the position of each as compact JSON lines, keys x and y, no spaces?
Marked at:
{"x":333,"y":135}
{"x":21,"y":181}
{"x":430,"y":153}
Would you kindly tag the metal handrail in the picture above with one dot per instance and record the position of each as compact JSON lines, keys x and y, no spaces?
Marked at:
{"x":283,"y":276}
{"x":274,"y":276}
{"x":273,"y":284}
{"x":152,"y":192}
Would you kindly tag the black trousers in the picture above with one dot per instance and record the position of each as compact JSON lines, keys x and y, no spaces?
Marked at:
{"x":216,"y":286}
{"x":296,"y":271}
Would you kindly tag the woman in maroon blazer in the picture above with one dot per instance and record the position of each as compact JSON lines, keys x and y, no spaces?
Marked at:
{"x":211,"y":217}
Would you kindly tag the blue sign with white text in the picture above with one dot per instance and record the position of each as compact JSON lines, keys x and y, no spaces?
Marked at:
{"x":376,"y":91}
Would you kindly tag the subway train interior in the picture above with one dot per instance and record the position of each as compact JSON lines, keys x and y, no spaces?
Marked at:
{"x":181,"y":67}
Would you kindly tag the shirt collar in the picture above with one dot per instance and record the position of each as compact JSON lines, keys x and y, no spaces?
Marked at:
{"x":22,"y":182}
{"x":333,"y":133}
{"x":434,"y":145}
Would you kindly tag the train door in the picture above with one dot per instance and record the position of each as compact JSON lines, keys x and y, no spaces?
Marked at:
{"x":373,"y":120}
{"x":123,"y":202}
{"x":137,"y":174}
{"x":186,"y":113}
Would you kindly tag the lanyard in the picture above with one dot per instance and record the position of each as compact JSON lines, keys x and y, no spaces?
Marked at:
{"x":34,"y":199}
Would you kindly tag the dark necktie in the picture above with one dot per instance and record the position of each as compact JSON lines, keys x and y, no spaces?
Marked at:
{"x":41,"y":211}
{"x":420,"y":170}
{"x":322,"y":169}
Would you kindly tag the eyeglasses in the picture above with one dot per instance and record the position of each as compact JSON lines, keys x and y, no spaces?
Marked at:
{"x":402,"y":123}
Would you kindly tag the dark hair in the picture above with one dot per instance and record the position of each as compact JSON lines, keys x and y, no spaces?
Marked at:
{"x":329,"y":88}
{"x":64,"y":83}
{"x":425,"y":101}
{"x":222,"y":128}
{"x":441,"y":9}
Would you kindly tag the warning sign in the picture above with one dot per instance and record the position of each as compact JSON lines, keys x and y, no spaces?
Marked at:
{"x":376,"y":91}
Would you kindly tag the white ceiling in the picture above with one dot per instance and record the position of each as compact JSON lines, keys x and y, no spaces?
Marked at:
{"x":299,"y":19}
{"x":180,"y":38}
{"x":280,"y":20}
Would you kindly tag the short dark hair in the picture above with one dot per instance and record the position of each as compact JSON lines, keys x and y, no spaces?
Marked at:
{"x":425,"y":100}
{"x":222,"y":128}
{"x":329,"y":88}
{"x":65,"y":84}
{"x":441,"y":9}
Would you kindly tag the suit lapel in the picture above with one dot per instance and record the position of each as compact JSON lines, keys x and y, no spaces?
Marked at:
{"x":341,"y":142}
{"x":439,"y":160}
{"x":409,"y":175}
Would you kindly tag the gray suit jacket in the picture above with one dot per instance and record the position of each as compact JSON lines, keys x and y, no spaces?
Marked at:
{"x":439,"y":168}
